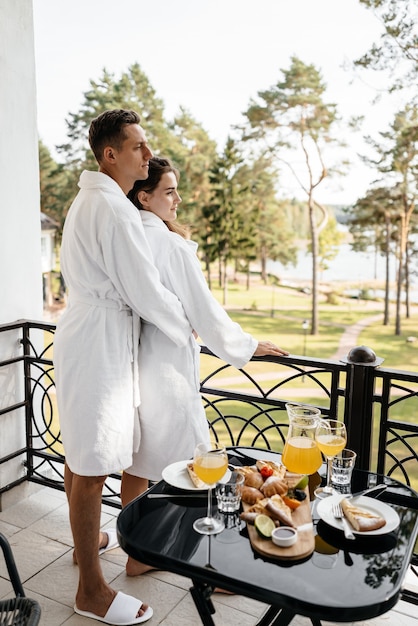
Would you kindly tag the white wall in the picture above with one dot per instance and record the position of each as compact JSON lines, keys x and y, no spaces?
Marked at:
{"x":20,"y":227}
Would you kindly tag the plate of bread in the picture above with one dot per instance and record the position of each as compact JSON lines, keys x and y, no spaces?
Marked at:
{"x":182,"y":475}
{"x":271,"y":491}
{"x":366,"y":516}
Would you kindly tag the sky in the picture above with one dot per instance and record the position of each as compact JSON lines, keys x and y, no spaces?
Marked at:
{"x":211,"y":57}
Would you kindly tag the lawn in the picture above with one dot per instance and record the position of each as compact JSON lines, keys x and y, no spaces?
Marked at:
{"x":277,"y":313}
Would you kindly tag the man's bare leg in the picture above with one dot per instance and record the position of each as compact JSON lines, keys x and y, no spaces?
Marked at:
{"x":68,"y":480}
{"x":132,"y":487}
{"x":84,"y":498}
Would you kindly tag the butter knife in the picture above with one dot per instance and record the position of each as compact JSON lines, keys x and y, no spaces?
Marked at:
{"x":178,"y":495}
{"x":371,"y":492}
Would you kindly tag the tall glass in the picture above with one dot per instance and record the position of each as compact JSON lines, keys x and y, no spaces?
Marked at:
{"x":301,"y":454}
{"x":331,"y":438}
{"x":210,"y":464}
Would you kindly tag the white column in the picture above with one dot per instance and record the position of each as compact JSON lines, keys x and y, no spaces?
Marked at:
{"x":20,"y":229}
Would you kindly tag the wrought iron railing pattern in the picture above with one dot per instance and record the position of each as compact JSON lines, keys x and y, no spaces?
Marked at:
{"x":244,"y":407}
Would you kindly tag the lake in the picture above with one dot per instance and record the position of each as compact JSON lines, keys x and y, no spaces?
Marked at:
{"x":358,"y":268}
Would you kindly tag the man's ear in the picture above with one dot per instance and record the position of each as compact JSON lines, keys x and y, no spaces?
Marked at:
{"x":109,"y":154}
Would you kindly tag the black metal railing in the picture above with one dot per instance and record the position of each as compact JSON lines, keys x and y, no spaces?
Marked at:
{"x":244,"y":407}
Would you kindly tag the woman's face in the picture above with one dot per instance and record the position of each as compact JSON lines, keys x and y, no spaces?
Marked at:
{"x":164,"y":200}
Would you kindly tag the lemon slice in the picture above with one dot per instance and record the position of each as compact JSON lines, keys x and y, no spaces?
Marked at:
{"x":264,"y":525}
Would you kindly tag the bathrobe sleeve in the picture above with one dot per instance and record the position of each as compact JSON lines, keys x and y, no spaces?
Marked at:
{"x":127,"y":259}
{"x":183,"y":275}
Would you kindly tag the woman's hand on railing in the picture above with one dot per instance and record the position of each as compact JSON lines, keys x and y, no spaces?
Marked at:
{"x":266,"y":347}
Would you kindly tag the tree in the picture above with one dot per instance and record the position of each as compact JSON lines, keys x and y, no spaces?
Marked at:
{"x":292,"y":121}
{"x":274,"y":235}
{"x":398,"y":161}
{"x":224,"y":231}
{"x":330,"y":239}
{"x":182,"y":140}
{"x":56,"y":187}
{"x":372,"y":222}
{"x":398,"y":45}
{"x":131,"y":91}
{"x":195,"y":155}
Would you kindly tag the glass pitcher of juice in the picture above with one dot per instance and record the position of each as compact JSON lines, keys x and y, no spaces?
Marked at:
{"x":301,"y":455}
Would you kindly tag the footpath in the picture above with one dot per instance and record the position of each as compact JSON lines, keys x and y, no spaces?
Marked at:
{"x":349,"y":338}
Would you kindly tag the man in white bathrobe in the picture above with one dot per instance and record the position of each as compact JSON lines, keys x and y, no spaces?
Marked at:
{"x":107,"y":266}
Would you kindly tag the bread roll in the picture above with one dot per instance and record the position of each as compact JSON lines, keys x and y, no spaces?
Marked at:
{"x":248,"y":516}
{"x":273,"y":485}
{"x":361,"y":519}
{"x":253,"y":479}
{"x":251,"y":495}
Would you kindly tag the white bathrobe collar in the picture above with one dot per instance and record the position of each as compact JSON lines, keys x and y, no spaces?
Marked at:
{"x":150,"y":220}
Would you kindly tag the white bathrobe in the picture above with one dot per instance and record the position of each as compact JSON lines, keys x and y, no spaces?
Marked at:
{"x":107,"y":266}
{"x":172,"y":418}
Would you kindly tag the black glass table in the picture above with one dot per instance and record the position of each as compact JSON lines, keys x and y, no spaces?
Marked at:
{"x":361,"y":580}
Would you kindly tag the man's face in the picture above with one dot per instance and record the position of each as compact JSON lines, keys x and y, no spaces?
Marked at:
{"x":131,"y":160}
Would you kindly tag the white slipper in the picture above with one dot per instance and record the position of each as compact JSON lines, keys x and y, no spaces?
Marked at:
{"x":112,"y":540}
{"x":119,"y":611}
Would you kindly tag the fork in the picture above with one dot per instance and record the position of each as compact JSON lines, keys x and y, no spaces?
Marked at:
{"x":339,"y":514}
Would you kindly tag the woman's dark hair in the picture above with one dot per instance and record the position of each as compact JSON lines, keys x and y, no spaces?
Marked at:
{"x":108,"y":129}
{"x":157,"y":168}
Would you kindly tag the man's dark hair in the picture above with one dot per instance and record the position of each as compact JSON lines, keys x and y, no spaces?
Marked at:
{"x":108,"y":129}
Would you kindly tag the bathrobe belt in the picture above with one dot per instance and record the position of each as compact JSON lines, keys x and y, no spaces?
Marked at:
{"x":132,"y":338}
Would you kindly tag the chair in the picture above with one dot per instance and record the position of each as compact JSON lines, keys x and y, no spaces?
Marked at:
{"x":17,"y":611}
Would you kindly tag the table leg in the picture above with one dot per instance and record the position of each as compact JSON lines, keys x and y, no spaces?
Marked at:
{"x":201,"y":594}
{"x":275,"y":616}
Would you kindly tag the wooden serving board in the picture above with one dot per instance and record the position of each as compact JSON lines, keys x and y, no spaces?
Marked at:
{"x":305,"y":543}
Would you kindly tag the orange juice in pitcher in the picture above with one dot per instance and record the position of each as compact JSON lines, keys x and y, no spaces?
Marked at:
{"x":301,"y":454}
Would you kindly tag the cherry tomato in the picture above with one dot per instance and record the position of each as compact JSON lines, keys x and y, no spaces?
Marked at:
{"x":266,"y":471}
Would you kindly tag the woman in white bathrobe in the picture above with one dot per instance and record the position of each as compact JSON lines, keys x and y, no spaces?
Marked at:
{"x":172,"y":417}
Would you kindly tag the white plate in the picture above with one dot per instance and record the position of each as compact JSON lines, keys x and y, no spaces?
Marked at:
{"x":177,"y":475}
{"x":324,"y":510}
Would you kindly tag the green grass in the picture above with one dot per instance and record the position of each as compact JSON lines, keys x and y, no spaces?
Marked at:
{"x":277,"y":314}
{"x":396,"y":351}
{"x":253,"y":310}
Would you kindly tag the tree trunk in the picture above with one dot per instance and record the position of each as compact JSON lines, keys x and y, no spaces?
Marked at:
{"x":263,"y":263}
{"x":208,"y":272}
{"x":387,"y":271}
{"x":407,"y":307}
{"x":402,"y":261}
{"x":225,"y":285}
{"x":399,"y":290}
{"x":315,"y":248}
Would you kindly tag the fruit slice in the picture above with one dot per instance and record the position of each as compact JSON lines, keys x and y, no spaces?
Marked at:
{"x":292,"y":503}
{"x":264,"y":525}
{"x":303,"y":483}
